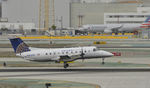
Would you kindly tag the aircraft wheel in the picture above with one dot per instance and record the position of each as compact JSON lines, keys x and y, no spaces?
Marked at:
{"x":103,"y":61}
{"x":66,"y":65}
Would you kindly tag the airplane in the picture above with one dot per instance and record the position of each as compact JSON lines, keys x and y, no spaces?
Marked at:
{"x":115,"y":28}
{"x":57,"y":55}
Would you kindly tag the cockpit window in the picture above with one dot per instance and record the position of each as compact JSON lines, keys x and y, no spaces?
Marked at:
{"x":94,"y":49}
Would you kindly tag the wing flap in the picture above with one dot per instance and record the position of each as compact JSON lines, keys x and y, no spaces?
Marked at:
{"x":67,"y":58}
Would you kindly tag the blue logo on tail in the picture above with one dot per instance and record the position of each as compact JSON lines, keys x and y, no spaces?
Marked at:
{"x":147,"y":20}
{"x":19,"y":46}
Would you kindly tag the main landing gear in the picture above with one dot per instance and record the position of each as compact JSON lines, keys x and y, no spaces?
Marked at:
{"x":66,"y":65}
{"x":103,"y":62}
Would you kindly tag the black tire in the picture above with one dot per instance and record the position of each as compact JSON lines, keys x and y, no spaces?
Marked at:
{"x":103,"y":63}
{"x":66,"y":65}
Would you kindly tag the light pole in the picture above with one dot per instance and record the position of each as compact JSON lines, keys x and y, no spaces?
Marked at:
{"x":46,"y":15}
{"x":40,"y":9}
{"x":61,"y":22}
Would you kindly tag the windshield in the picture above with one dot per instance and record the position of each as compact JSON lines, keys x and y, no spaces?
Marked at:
{"x":95,"y":49}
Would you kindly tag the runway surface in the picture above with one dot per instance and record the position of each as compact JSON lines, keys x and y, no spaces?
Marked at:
{"x":75,"y":69}
{"x":107,"y":78}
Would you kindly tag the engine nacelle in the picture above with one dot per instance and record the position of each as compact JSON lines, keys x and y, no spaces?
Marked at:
{"x":107,"y":31}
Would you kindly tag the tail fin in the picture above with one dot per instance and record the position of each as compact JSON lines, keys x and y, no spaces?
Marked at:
{"x":146,"y":23}
{"x":19,"y":46}
{"x":147,"y":20}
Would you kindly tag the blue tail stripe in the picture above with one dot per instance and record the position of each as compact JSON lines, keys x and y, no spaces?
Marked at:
{"x":19,"y":46}
{"x":148,"y":19}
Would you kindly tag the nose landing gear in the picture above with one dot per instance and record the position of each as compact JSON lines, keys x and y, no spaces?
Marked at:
{"x":103,"y":62}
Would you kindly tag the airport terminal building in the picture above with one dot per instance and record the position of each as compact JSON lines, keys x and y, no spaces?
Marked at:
{"x":74,"y":13}
{"x":122,"y":18}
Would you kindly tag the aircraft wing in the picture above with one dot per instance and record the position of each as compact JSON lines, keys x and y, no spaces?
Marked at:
{"x":112,"y":28}
{"x":67,"y":58}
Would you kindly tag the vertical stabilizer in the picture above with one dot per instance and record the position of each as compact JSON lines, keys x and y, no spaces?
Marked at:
{"x":19,"y":46}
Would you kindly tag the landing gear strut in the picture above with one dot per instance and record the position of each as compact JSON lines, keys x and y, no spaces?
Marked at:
{"x":66,"y":65}
{"x":103,"y":60}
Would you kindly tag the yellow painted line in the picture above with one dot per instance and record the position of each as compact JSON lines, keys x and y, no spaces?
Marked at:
{"x":68,"y":62}
{"x":76,"y":37}
{"x":97,"y":86}
{"x":3,"y":78}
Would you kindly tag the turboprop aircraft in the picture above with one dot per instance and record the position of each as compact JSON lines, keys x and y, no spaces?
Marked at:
{"x":57,"y":54}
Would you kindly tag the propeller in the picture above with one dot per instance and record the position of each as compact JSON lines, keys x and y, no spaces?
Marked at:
{"x":82,"y":54}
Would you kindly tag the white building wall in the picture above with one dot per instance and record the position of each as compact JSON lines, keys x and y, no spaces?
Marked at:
{"x":62,"y":8}
{"x":125,"y":17}
{"x":23,"y":26}
{"x":143,"y":10}
{"x":93,"y":13}
{"x":22,"y":11}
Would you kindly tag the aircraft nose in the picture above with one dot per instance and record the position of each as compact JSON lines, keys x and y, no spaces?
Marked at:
{"x":110,"y":54}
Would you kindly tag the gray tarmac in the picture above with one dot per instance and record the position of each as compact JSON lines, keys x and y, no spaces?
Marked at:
{"x":106,"y":77}
{"x":115,"y":43}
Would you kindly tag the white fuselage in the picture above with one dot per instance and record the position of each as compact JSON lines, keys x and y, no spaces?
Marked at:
{"x":109,"y":28}
{"x":55,"y":54}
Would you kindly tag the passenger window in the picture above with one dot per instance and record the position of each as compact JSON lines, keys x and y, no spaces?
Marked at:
{"x":46,"y":54}
{"x":54,"y":53}
{"x":49,"y":53}
{"x":76,"y":52}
